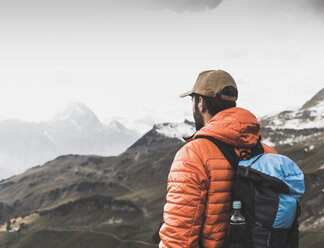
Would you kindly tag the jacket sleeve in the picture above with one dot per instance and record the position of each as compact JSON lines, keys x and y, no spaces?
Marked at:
{"x":185,"y":201}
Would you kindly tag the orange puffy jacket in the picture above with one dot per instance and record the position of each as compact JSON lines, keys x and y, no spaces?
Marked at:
{"x":200,"y":180}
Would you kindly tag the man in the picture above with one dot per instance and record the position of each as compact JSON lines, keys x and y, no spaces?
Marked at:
{"x":199,"y":202}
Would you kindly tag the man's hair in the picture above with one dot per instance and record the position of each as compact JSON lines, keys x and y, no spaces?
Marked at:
{"x":216,"y":104}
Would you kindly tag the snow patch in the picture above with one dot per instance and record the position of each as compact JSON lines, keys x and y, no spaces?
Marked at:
{"x":302,"y":119}
{"x":268,"y":142}
{"x":310,"y":148}
{"x":114,"y":220}
{"x":175,"y":130}
{"x":311,"y":223}
{"x":318,"y":222}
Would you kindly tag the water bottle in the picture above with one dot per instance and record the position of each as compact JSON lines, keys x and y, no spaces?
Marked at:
{"x":237,"y":228}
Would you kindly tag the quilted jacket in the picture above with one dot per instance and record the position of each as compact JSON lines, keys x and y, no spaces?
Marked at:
{"x":199,"y":184}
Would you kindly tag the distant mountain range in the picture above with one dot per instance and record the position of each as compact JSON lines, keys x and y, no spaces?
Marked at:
{"x":74,"y":130}
{"x":116,"y":202}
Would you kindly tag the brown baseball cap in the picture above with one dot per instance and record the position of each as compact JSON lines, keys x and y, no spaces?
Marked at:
{"x":211,"y":83}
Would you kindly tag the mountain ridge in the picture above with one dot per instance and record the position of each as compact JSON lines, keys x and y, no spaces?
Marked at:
{"x":37,"y":200}
{"x":75,"y":129}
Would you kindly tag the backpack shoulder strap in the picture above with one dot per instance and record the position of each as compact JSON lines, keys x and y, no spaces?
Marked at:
{"x":258,"y":148}
{"x":227,"y":150}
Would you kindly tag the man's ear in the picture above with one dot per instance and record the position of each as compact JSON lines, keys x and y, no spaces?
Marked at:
{"x":202,"y":105}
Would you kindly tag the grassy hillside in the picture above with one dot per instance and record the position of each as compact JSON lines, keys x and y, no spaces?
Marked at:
{"x":312,"y":238}
{"x":89,"y":200}
{"x":67,"y":239}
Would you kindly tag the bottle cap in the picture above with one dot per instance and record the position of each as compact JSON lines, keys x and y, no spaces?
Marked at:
{"x":237,"y":204}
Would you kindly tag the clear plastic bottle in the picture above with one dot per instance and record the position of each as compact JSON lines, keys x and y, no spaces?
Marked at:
{"x":237,"y":228}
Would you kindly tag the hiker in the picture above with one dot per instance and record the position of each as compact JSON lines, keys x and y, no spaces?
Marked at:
{"x":199,"y":187}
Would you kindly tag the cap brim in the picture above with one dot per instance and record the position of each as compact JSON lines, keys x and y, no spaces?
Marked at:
{"x":186,"y":94}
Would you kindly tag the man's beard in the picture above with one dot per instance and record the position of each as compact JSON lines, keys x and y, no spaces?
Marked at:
{"x":199,"y":121}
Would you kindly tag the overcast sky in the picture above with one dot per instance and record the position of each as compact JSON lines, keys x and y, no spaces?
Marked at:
{"x":131,"y":58}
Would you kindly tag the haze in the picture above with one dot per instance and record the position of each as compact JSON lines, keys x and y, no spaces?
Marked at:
{"x":134,"y":58}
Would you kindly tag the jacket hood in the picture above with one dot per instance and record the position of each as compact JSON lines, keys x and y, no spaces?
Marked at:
{"x":234,"y":126}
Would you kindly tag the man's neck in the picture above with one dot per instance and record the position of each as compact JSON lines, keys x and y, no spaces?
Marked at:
{"x":207,"y":117}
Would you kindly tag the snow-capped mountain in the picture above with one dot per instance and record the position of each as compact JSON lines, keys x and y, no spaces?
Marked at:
{"x":176,"y":130}
{"x":292,"y":127}
{"x":305,"y":125}
{"x":145,"y":120}
{"x":76,"y":114}
{"x":310,"y":115}
{"x":74,"y":130}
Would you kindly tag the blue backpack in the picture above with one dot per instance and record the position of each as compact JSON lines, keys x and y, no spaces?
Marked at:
{"x":269,"y":186}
